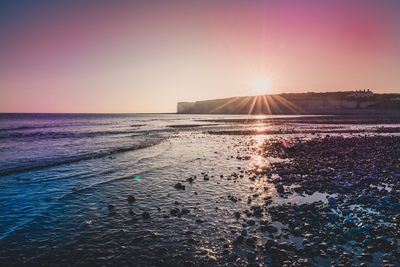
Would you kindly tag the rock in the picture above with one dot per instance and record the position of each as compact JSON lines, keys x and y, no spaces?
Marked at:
{"x":175,"y":212}
{"x":251,"y":222}
{"x":297,"y":231}
{"x":271,"y":229}
{"x":233,"y":198}
{"x":146,"y":215}
{"x":244,"y":232}
{"x":238,"y":240}
{"x":226,"y":252}
{"x":237,"y":215}
{"x":227,"y":245}
{"x":180,"y":186}
{"x":332,"y":202}
{"x":206,"y":178}
{"x":211,"y":258}
{"x":349,"y":222}
{"x":280,"y":189}
{"x":251,"y":241}
{"x":257,"y":211}
{"x":131,"y":199}
{"x":332,"y":217}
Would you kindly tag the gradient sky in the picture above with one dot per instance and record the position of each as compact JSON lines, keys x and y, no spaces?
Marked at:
{"x":144,"y":56}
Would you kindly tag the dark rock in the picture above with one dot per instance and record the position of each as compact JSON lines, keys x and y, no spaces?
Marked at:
{"x":271,"y":229}
{"x":233,"y":198}
{"x":237,"y":215}
{"x":251,"y":222}
{"x":332,"y":202}
{"x":131,"y":199}
{"x":297,"y":231}
{"x":251,"y":241}
{"x":180,"y":186}
{"x":238,"y":240}
{"x":175,"y":212}
{"x":146,"y":215}
{"x":257,"y":211}
{"x":279,"y":188}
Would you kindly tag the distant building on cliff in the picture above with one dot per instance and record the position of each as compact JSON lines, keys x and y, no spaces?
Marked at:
{"x":361,"y":94}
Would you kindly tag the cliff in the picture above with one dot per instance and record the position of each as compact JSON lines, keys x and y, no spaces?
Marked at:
{"x":302,"y":103}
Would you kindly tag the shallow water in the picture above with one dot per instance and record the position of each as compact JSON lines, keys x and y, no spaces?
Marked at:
{"x":59,"y":174}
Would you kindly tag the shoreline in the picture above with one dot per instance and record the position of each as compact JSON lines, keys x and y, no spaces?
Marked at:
{"x":285,"y":196}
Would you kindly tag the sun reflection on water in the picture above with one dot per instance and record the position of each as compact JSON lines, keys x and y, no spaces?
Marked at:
{"x":259,"y":164}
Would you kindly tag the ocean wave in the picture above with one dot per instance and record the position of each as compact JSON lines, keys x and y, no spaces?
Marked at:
{"x":90,"y":174}
{"x":19,"y":128}
{"x":87,"y":156}
{"x":58,"y":135}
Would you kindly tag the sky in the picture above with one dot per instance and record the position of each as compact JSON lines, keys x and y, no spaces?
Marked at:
{"x":145,"y":56}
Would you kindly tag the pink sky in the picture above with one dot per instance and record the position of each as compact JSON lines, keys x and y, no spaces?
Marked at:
{"x":120,"y":57}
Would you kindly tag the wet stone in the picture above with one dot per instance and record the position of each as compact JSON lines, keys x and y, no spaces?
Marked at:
{"x":131,"y":199}
{"x":233,"y":198}
{"x":175,"y":212}
{"x":280,"y":189}
{"x":180,"y":186}
{"x":237,"y":215}
{"x":238,"y":240}
{"x":146,"y":215}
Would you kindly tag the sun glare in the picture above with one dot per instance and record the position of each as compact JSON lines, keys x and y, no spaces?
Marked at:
{"x":260,"y":86}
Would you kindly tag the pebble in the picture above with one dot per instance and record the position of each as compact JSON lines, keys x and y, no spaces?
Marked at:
{"x":280,"y":189}
{"x":146,"y":215}
{"x":180,"y":186}
{"x":175,"y":212}
{"x":131,"y":199}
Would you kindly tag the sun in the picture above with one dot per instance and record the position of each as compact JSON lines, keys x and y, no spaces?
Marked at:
{"x":260,"y":86}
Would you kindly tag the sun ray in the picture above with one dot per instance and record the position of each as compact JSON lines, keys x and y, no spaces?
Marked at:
{"x":243,"y":103}
{"x":252,"y":105}
{"x":292,"y":107}
{"x":274,"y":105}
{"x":224,"y":105}
{"x":266,"y":104}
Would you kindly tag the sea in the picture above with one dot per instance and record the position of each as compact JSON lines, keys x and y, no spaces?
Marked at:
{"x":65,"y":180}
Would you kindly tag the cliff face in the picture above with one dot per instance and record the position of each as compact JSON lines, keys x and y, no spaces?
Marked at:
{"x":185,"y":107}
{"x":307,"y":103}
